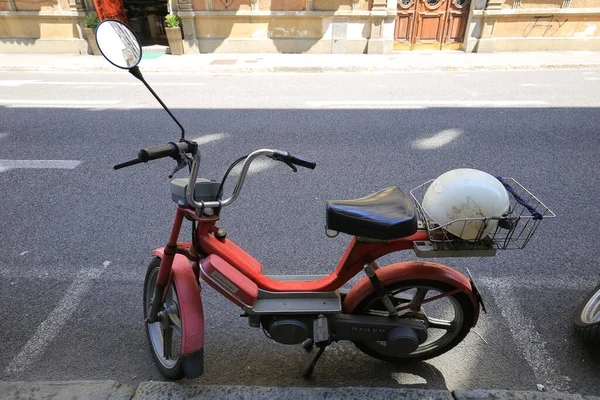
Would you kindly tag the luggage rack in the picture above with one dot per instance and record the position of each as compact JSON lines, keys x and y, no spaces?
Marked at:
{"x":511,"y":231}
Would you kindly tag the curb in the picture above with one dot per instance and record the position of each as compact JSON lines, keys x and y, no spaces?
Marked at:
{"x":306,"y":69}
{"x":112,"y":390}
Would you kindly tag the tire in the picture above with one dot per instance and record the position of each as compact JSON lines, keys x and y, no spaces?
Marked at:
{"x":464,"y":318}
{"x":587,"y":318}
{"x":170,"y":368}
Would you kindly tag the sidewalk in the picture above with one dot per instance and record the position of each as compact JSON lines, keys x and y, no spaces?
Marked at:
{"x":244,"y":63}
{"x":111,"y":390}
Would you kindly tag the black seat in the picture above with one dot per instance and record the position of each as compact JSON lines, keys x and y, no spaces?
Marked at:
{"x":388,"y":214}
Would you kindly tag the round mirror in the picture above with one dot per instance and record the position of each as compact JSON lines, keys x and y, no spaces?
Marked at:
{"x":118,"y":44}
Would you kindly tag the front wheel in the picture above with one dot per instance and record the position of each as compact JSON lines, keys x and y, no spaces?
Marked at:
{"x":448,"y":319}
{"x":587,"y":318}
{"x":164,"y":336}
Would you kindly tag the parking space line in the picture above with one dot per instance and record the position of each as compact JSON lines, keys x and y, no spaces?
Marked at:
{"x":527,"y":339}
{"x":5,"y":165}
{"x":50,"y":328}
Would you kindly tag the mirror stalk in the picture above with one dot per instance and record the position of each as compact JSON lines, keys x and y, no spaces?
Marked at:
{"x":135,"y":71}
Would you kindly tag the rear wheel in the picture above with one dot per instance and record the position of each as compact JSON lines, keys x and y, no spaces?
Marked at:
{"x":164,"y":336}
{"x":448,"y":319}
{"x":587,"y":318}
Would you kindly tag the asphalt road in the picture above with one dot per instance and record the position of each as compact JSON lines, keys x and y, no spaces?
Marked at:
{"x":77,"y":236}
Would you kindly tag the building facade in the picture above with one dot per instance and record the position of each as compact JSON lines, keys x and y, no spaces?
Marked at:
{"x":324,"y":26}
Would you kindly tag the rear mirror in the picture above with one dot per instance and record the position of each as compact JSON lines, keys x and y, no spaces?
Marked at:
{"x":118,"y":44}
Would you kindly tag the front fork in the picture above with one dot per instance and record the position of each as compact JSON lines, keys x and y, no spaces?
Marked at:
{"x":166,"y":264}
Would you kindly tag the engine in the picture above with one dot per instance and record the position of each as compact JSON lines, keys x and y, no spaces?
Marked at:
{"x":288,"y":330}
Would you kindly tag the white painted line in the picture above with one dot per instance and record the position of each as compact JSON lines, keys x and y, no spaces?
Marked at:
{"x":5,"y":165}
{"x":49,"y":329}
{"x":15,"y":83}
{"x":260,"y":165}
{"x":94,"y":107}
{"x":592,"y":79}
{"x":436,"y":141}
{"x":425,"y":103}
{"x":210,"y":138}
{"x":404,"y":378}
{"x":528,"y":339}
{"x":59,"y":102}
{"x":530,"y":84}
{"x":23,"y":253}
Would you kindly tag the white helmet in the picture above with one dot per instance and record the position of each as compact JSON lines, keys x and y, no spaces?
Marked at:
{"x":466,"y":193}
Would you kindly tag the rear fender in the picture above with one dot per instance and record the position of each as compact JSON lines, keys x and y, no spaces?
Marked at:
{"x":192,"y":315}
{"x":411,"y":270}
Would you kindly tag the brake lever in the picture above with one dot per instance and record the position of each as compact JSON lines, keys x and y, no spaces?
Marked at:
{"x":183,"y":162}
{"x":289,"y":164}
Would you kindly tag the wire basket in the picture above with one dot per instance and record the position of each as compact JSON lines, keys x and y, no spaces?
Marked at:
{"x":510,"y":231}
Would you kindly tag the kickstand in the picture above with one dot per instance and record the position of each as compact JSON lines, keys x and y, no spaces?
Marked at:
{"x":307,"y":373}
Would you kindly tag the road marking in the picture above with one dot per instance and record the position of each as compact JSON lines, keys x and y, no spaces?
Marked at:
{"x":15,"y":83}
{"x":58,"y":102}
{"x":210,"y":138}
{"x":404,"y":378}
{"x":436,"y":141}
{"x":49,"y":329}
{"x":23,"y":253}
{"x":424,"y":103}
{"x":5,"y":165}
{"x":592,"y":79}
{"x":527,"y":338}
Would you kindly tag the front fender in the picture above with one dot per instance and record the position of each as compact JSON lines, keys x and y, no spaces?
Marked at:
{"x":191,"y":314}
{"x":411,"y":270}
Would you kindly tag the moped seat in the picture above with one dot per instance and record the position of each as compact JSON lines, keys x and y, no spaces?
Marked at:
{"x":387,"y":214}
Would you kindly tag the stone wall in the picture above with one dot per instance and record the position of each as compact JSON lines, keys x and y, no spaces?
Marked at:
{"x":42,"y":26}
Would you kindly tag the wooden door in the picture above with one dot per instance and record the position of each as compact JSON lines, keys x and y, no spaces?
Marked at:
{"x":405,"y":24}
{"x":431,"y":24}
{"x":429,"y":29}
{"x":456,"y":24}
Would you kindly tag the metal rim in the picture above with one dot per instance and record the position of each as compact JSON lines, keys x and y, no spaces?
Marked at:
{"x":452,"y":327}
{"x":171,"y":322}
{"x":591,"y":311}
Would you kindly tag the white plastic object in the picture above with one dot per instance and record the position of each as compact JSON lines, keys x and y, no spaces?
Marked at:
{"x":466,"y":193}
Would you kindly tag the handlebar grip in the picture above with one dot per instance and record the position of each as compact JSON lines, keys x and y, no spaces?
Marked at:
{"x":153,"y":153}
{"x":302,"y":162}
{"x":127,"y":163}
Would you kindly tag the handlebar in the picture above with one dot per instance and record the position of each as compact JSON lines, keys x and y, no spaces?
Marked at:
{"x":175,"y":151}
{"x":172,"y":149}
{"x":290,"y":159}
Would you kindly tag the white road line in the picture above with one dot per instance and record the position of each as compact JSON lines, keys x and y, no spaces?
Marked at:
{"x":528,"y":340}
{"x":425,"y":103}
{"x":59,"y":102}
{"x":210,"y":138}
{"x":5,"y":165}
{"x":51,"y":327}
{"x":592,"y":79}
{"x":15,"y":83}
{"x":436,"y":141}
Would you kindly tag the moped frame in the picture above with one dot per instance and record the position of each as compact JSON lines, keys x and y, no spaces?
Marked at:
{"x":360,"y":252}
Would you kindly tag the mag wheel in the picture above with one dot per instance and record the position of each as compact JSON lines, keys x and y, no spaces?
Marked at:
{"x":164,"y":336}
{"x":449,"y":319}
{"x":587,"y":318}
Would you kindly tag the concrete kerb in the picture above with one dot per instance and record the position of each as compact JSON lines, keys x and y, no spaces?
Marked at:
{"x":111,"y":390}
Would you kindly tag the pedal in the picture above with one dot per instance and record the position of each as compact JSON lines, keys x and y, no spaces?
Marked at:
{"x":320,"y":331}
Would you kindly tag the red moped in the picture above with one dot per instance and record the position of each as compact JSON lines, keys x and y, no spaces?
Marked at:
{"x":405,"y":311}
